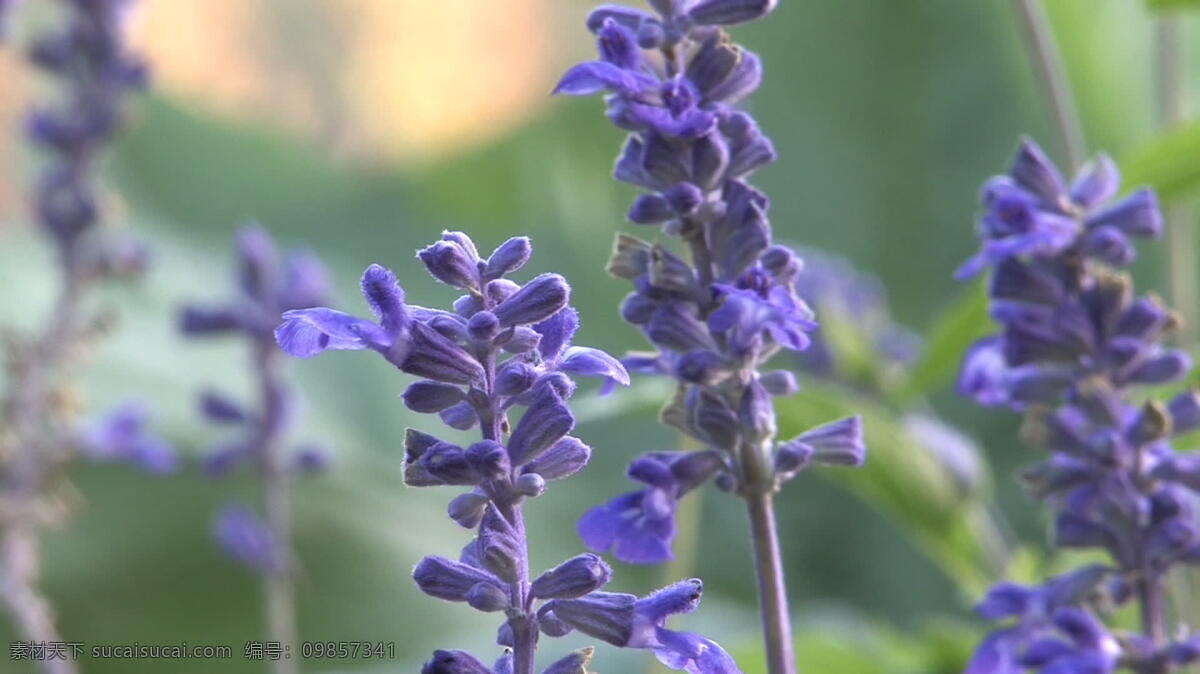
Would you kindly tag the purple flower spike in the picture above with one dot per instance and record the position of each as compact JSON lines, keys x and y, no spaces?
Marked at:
{"x":268,"y":285}
{"x":503,"y":361}
{"x":717,"y":318}
{"x":1073,"y":342}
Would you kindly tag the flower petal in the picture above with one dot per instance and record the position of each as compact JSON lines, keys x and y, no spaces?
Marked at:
{"x":306,"y":332}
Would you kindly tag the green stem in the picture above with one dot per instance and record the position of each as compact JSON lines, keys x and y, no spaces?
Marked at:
{"x":772,"y":593}
{"x":1056,"y":86}
{"x":1181,"y":231}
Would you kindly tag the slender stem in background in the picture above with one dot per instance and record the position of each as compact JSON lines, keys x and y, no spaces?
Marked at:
{"x":1181,"y":230}
{"x":34,"y":616}
{"x":278,"y":584}
{"x":773,"y":604}
{"x":38,"y":445}
{"x":1181,"y":241}
{"x":1056,"y":86}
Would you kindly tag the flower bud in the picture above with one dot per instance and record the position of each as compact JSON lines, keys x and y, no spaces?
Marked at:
{"x":1162,"y":369}
{"x":449,"y":263}
{"x":839,"y":443}
{"x":545,"y":422}
{"x":483,"y":326}
{"x":514,"y":378}
{"x":488,"y":459}
{"x":1185,"y":411}
{"x":1111,"y":245}
{"x":650,"y":209}
{"x":447,"y":579}
{"x":536,"y":301}
{"x":550,"y":625}
{"x":467,"y":509}
{"x":430,"y":396}
{"x":729,"y":12}
{"x":416,"y":444}
{"x":792,"y":457}
{"x":565,"y":458}
{"x":487,"y":597}
{"x":675,"y":329}
{"x":638,"y":309}
{"x":461,"y":416}
{"x":467,"y":305}
{"x":385,"y":297}
{"x":779,"y":382}
{"x":701,"y":367}
{"x":726,"y":482}
{"x":530,"y":484}
{"x":433,"y":356}
{"x":607,"y":616}
{"x":448,"y":463}
{"x":756,"y":414}
{"x":509,"y":257}
{"x":694,"y":468}
{"x":522,"y":339}
{"x":1137,"y":214}
{"x":651,"y":471}
{"x":576,"y":577}
{"x":709,"y":415}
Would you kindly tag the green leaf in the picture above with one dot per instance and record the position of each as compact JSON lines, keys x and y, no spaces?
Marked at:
{"x":955,"y":330}
{"x":908,"y":483}
{"x":1170,"y":163}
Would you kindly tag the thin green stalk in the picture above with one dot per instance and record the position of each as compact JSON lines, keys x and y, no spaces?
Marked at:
{"x":1056,"y":86}
{"x":1181,"y":231}
{"x":1181,"y":245}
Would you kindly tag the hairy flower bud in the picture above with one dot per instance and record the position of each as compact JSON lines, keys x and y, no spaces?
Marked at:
{"x":508,"y":257}
{"x":487,"y":597}
{"x":430,"y":396}
{"x":467,"y":509}
{"x":536,"y":301}
{"x":447,"y":579}
{"x":451,"y":264}
{"x":573,"y":578}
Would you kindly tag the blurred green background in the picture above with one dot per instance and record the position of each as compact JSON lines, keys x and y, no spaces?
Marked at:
{"x":362,"y":128}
